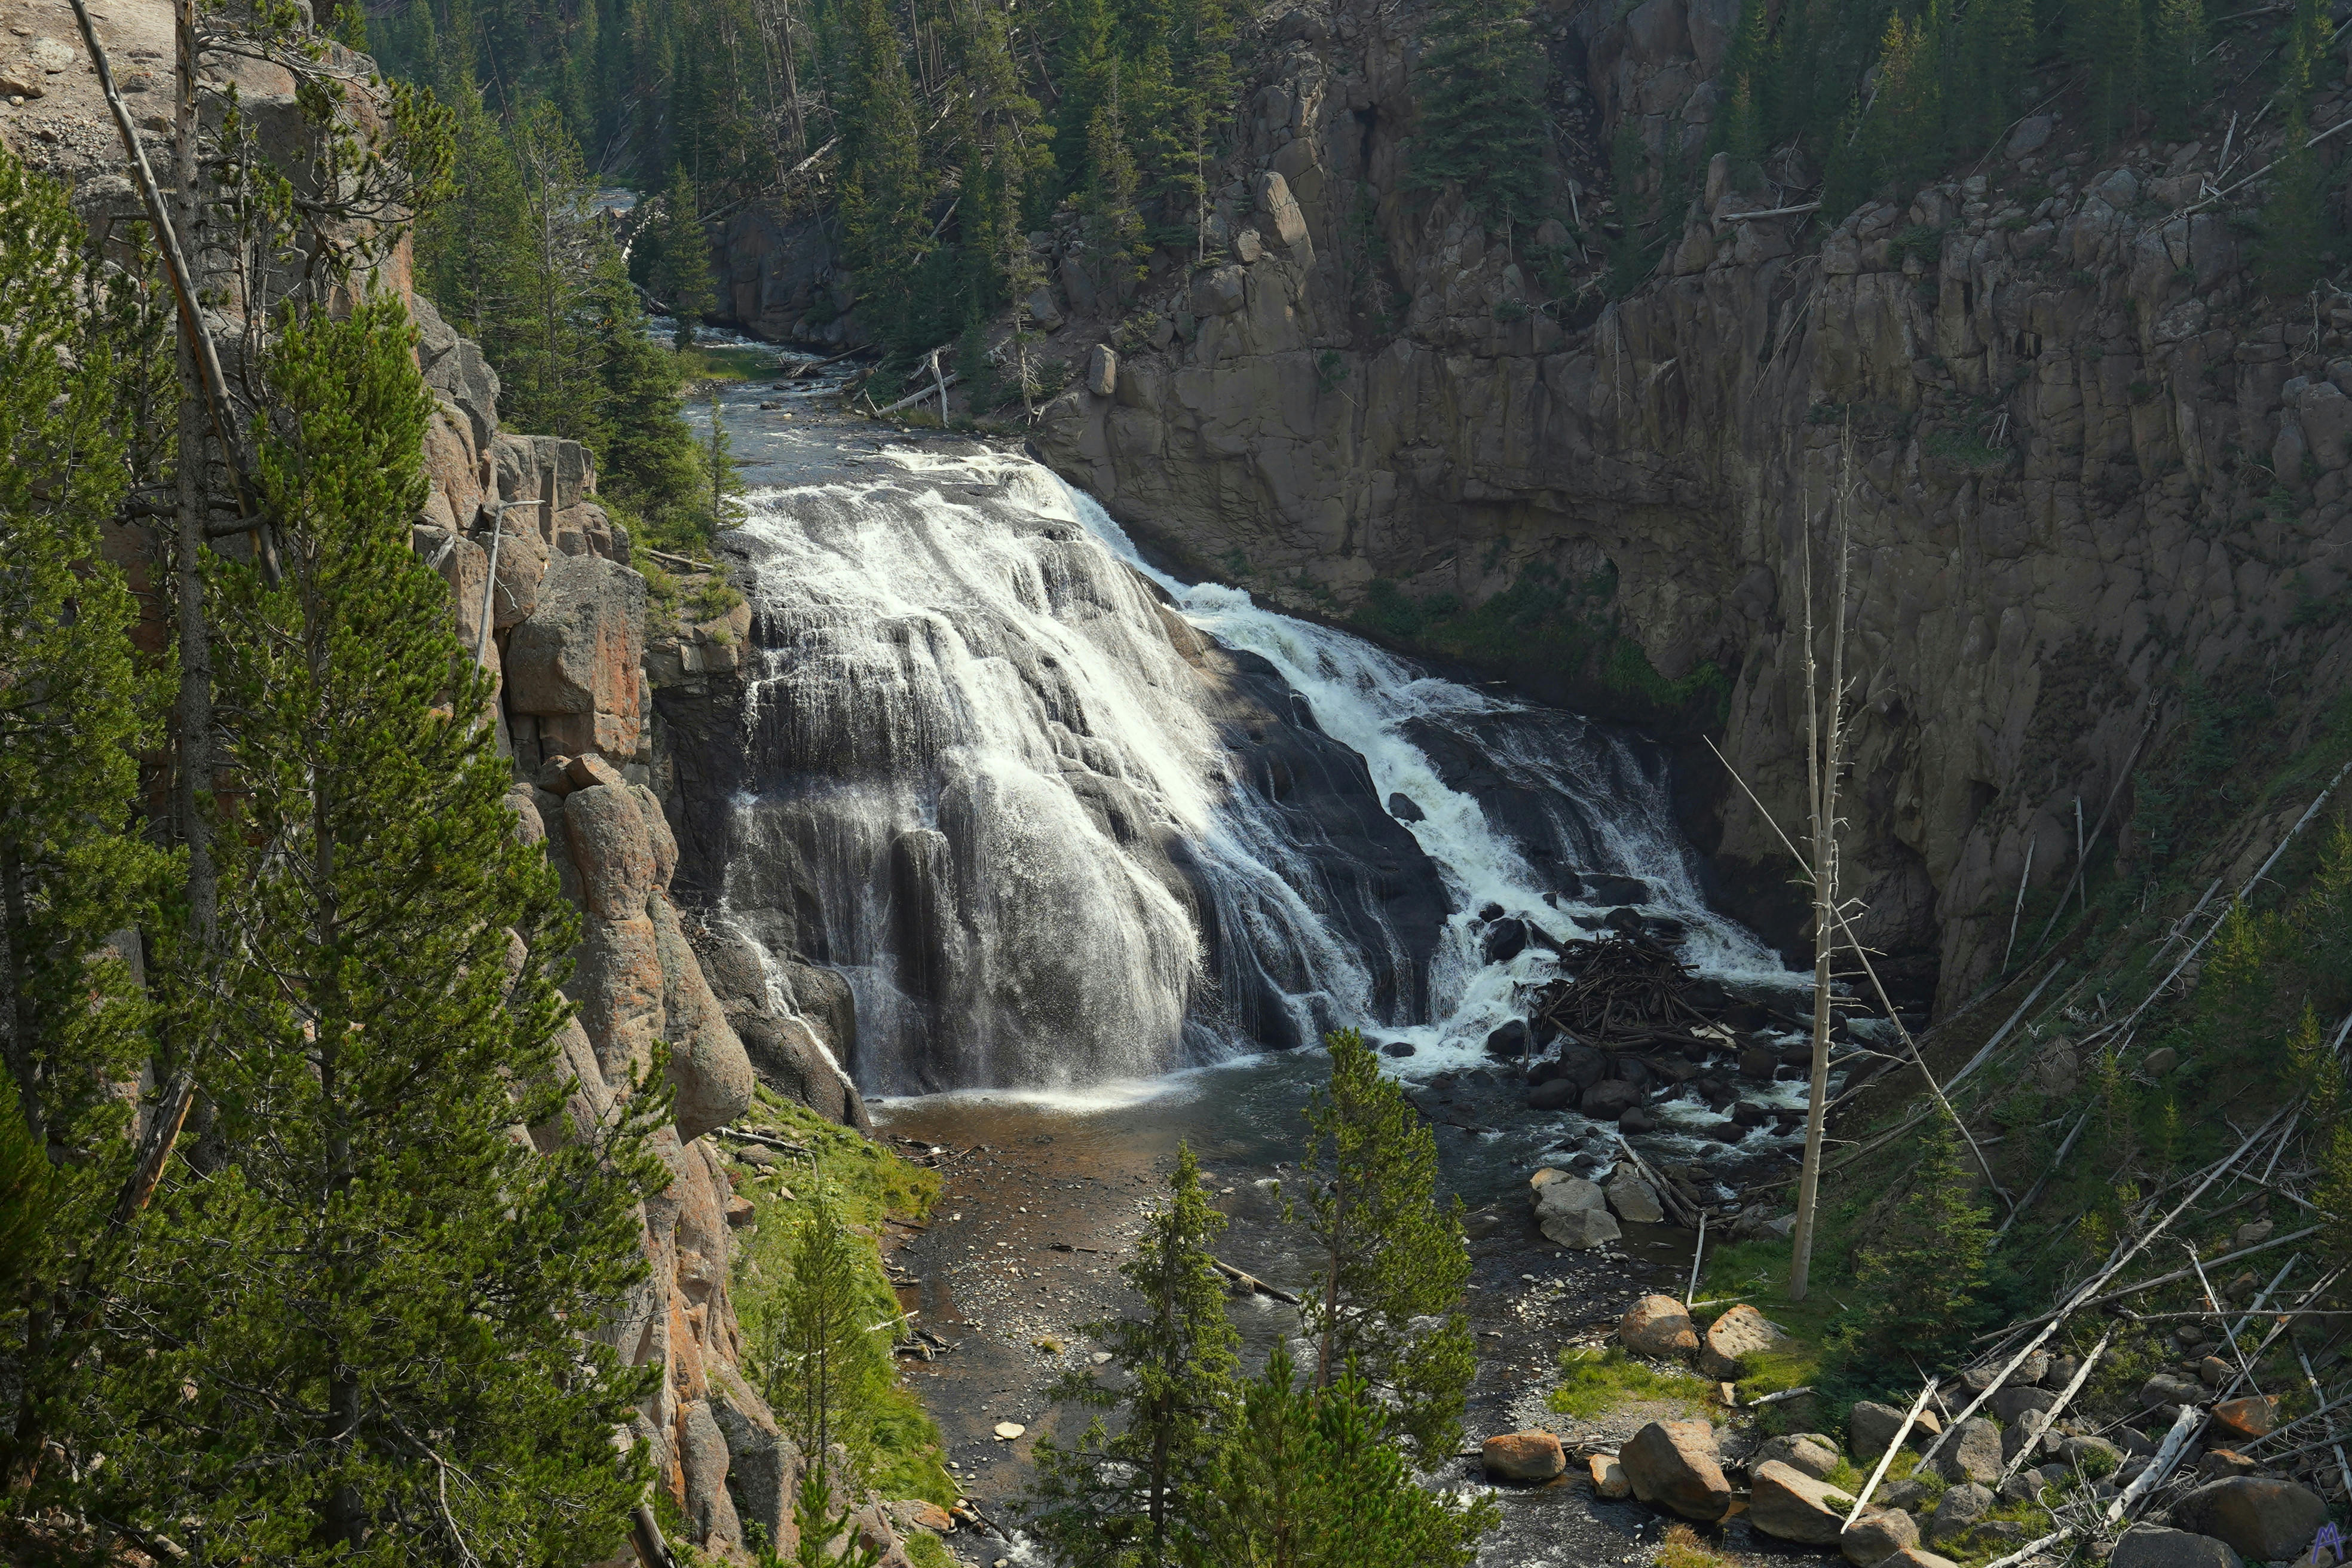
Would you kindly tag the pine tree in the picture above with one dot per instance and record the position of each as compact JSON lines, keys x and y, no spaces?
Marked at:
{"x":1308,"y":1478}
{"x":821,"y":1364}
{"x":2295,"y":219}
{"x":544,"y":347}
{"x":1115,"y":239}
{"x":472,"y":256}
{"x":680,"y":261}
{"x":1910,"y":109}
{"x":1996,"y":53}
{"x":884,"y":193}
{"x":1084,"y":60}
{"x":73,"y":719}
{"x":647,"y":469}
{"x":722,"y":485}
{"x":2113,"y":44}
{"x":1479,"y":101}
{"x":1386,"y":1251}
{"x":2176,"y":72}
{"x":351,"y":1331}
{"x":1922,"y":1276}
{"x":1124,"y":1500}
{"x":1005,"y":148}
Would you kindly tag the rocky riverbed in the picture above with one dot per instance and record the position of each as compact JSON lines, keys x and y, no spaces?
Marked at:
{"x":1043,"y":1197}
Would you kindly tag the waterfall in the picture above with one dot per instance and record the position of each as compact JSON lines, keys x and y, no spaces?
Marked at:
{"x":1051,"y":834}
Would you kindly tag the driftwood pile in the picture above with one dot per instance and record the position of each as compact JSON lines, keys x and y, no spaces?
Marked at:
{"x":1627,"y":995}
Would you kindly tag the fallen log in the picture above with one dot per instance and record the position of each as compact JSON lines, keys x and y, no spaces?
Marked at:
{"x":1252,"y":1282}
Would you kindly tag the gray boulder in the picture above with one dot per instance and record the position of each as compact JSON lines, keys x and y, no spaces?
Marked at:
{"x":1219,"y":291}
{"x":1877,"y":1536}
{"x":2261,"y":1518}
{"x":2153,"y":1546}
{"x":1870,"y":1427}
{"x":1787,"y":1504}
{"x":1741,"y":1332}
{"x":1633,"y":1198}
{"x":1805,"y":1451}
{"x":1972,"y":1453}
{"x":1657,"y":1326}
{"x":1580,"y":1228}
{"x":1960,"y":1508}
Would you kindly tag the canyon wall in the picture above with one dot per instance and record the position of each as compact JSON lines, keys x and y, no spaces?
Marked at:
{"x":2086,"y":468}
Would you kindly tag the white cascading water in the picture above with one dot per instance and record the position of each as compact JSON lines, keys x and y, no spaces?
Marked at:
{"x":1023,"y":829}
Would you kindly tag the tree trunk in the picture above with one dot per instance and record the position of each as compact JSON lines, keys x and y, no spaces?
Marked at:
{"x":192,"y":712}
{"x":1821,"y":763}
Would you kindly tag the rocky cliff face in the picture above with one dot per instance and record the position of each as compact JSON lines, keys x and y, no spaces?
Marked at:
{"x":579,"y":665}
{"x":2089,"y":469}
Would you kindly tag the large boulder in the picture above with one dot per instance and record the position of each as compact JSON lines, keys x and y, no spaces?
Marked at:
{"x":2153,"y":1546}
{"x":703,"y":1458}
{"x":1786,"y":1503}
{"x":1571,"y":1212}
{"x":1284,"y":217}
{"x":1972,"y":1453}
{"x":1743,"y":1330}
{"x":2012,"y":1403}
{"x":1219,"y":291}
{"x":1675,"y":1465}
{"x":1877,"y":1536}
{"x":1523,"y":1457}
{"x":1609,"y":1099}
{"x":612,"y":848}
{"x":1657,"y":1326}
{"x":1807,"y":1451}
{"x":2262,"y":1518}
{"x":1958,"y":1510}
{"x":2166,"y":1393}
{"x":707,"y":1066}
{"x":2241,"y":1420}
{"x":1580,"y":1228}
{"x":1634,"y":1199}
{"x":1870,"y":1427}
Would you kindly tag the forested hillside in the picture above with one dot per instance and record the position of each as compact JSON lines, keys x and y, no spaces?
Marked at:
{"x":938,"y":138}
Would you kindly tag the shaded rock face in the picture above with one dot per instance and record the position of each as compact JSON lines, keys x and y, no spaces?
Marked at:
{"x":1042,"y":829}
{"x":2057,"y":502}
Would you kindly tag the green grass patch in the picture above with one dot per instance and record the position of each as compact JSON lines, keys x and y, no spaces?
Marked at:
{"x":726,"y":361}
{"x":1593,"y":1383}
{"x":928,"y":1551}
{"x":896,"y":1442}
{"x":1682,"y":1548}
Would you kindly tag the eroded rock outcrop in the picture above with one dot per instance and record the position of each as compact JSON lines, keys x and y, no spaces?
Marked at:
{"x":569,"y":641}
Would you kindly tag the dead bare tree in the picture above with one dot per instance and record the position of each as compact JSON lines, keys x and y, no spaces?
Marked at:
{"x":1824,"y":759}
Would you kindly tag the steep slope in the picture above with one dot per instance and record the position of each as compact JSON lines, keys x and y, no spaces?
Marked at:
{"x":577,"y":662}
{"x":2092,"y":472}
